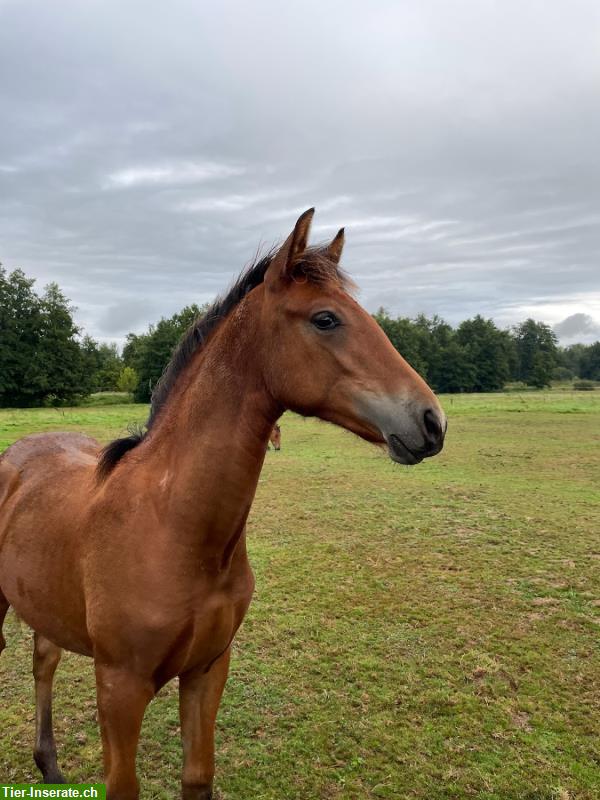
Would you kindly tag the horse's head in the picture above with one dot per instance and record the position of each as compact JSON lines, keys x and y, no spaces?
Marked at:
{"x":327,"y":357}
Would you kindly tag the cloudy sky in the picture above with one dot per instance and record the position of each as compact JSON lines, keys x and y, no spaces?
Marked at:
{"x":147,"y":149}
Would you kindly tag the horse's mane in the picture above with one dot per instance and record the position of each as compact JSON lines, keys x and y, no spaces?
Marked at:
{"x":314,"y":266}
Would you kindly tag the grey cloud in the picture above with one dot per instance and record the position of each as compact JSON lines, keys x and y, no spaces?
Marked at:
{"x":146,"y":151}
{"x":578,"y":327}
{"x":125,"y":316}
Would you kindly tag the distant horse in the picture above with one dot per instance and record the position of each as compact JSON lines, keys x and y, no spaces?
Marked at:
{"x":135,"y":555}
{"x":275,"y":437}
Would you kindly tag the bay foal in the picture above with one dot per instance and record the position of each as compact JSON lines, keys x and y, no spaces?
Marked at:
{"x":275,"y":437}
{"x":135,"y":555}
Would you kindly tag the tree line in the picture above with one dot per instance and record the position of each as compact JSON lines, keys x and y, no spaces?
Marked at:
{"x":477,"y":356}
{"x":46,"y":359}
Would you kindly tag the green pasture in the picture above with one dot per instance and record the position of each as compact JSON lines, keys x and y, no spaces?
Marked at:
{"x":428,"y":632}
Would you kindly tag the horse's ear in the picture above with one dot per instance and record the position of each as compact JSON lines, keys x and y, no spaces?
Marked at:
{"x":283,"y":262}
{"x":334,"y":249}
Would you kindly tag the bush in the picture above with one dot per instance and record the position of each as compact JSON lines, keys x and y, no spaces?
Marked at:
{"x":562,"y":374}
{"x":584,"y":386}
{"x":107,"y":399}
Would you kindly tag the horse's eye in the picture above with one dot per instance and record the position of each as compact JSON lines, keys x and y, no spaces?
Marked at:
{"x":325,"y":321}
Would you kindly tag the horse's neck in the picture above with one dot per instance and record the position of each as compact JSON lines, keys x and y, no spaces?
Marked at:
{"x":208,"y":450}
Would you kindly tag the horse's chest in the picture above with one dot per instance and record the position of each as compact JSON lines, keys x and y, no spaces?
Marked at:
{"x":209,"y":630}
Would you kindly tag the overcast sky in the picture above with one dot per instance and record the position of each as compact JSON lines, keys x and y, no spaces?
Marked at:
{"x":148,"y":148}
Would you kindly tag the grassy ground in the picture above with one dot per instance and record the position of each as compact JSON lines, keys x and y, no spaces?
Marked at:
{"x":426,"y":632}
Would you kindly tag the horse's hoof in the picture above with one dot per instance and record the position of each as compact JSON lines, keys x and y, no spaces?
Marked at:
{"x":55,"y":777}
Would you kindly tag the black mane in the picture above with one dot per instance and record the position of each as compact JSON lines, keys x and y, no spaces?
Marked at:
{"x":196,"y":335}
{"x":314,"y":266}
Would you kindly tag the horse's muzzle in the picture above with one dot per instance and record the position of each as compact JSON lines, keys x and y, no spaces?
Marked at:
{"x":433,"y":432}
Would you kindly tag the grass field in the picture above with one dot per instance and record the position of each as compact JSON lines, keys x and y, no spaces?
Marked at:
{"x":427,"y":632}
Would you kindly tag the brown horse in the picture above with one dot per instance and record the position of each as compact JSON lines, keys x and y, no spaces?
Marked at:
{"x":136,"y":555}
{"x":275,"y":437}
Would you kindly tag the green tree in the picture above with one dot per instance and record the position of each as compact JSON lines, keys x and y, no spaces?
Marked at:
{"x":109,"y":367}
{"x":590,"y":363}
{"x":60,"y":358}
{"x":542,"y":370}
{"x":570,"y":358}
{"x":103,"y":363}
{"x":489,"y":352}
{"x":132,"y":351}
{"x":405,"y":336}
{"x":128,"y":380}
{"x":435,"y":338}
{"x":41,"y":357}
{"x":537,"y":353}
{"x":150,"y":353}
{"x":432,"y":348}
{"x":20,"y":332}
{"x":455,"y":371}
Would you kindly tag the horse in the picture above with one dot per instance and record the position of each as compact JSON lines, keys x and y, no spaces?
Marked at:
{"x":275,"y":437}
{"x":135,"y":554}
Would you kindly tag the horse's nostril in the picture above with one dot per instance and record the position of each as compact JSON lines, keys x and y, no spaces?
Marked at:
{"x":433,"y":426}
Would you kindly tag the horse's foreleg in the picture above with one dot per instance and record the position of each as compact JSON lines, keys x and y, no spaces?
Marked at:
{"x":45,"y":660}
{"x":199,"y":697}
{"x":122,"y":700}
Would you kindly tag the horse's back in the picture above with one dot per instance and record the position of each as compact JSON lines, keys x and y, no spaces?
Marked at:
{"x":44,"y":463}
{"x":43,"y":471}
{"x":34,"y":450}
